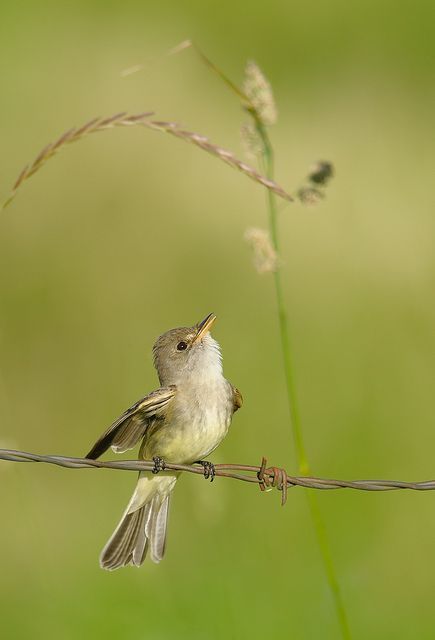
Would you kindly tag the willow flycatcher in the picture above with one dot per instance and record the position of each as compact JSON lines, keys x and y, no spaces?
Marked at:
{"x":183,"y":421}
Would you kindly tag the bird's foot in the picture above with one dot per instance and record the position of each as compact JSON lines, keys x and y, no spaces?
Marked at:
{"x":159,"y":464}
{"x":209,"y":470}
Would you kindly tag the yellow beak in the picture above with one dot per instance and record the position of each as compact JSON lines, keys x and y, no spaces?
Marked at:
{"x":204,"y":327}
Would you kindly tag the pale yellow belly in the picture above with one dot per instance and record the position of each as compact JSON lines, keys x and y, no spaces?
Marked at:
{"x":185,"y":441}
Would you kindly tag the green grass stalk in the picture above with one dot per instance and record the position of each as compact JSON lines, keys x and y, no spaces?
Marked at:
{"x":295,"y":423}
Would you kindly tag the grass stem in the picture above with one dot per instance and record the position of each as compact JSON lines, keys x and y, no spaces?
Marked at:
{"x":295,"y":423}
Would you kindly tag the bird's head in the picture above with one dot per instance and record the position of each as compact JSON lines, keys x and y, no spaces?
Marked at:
{"x":188,"y":352}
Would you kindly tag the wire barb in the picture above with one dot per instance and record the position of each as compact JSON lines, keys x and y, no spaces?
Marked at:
{"x":260,"y":475}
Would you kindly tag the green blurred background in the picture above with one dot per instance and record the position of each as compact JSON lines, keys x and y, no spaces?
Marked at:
{"x":131,"y":232}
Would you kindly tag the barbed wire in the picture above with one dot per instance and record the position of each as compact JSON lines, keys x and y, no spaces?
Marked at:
{"x":264,"y":476}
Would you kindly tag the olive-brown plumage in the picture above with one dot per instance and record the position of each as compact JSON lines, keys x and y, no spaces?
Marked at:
{"x":182,"y":421}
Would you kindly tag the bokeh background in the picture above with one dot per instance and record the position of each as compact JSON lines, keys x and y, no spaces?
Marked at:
{"x":130,"y":232}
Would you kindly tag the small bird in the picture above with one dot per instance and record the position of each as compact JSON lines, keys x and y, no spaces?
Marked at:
{"x":183,"y":421}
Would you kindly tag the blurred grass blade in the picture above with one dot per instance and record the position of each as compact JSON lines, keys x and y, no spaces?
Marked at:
{"x":225,"y":79}
{"x":266,"y":158}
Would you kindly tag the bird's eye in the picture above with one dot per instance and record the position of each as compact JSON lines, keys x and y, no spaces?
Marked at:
{"x":181,"y":346}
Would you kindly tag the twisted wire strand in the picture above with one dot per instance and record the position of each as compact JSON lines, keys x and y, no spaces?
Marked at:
{"x":264,"y":476}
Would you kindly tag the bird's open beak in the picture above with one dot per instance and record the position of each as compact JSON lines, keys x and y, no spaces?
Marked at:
{"x":204,"y":327}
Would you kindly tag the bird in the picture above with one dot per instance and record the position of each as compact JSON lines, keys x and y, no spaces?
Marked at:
{"x":183,"y":421}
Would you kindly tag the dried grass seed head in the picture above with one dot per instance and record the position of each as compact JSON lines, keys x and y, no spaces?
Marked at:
{"x":310,"y":195}
{"x":142,"y":119}
{"x":265,"y":256}
{"x":321,"y":172}
{"x":251,"y":141}
{"x":259,"y":91}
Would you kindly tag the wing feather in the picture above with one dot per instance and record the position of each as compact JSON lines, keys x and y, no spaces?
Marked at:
{"x":237,"y":399}
{"x":130,"y":427}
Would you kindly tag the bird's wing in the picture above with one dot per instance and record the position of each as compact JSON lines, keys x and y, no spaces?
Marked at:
{"x":237,"y":399}
{"x":129,"y":428}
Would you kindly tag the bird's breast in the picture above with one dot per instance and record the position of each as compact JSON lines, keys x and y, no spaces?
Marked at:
{"x":198,"y":420}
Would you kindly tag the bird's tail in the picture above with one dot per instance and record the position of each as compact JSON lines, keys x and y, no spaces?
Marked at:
{"x":143,"y":525}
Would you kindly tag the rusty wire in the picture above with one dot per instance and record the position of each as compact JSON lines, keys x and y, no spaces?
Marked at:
{"x":266,"y":477}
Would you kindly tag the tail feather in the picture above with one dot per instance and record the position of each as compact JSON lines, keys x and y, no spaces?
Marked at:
{"x":121,"y":547}
{"x":142,"y":525}
{"x":158,"y":532}
{"x":141,"y":547}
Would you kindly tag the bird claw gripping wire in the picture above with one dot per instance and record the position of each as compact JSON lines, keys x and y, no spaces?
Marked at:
{"x":159,"y":464}
{"x":209,"y":469}
{"x":273,"y":477}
